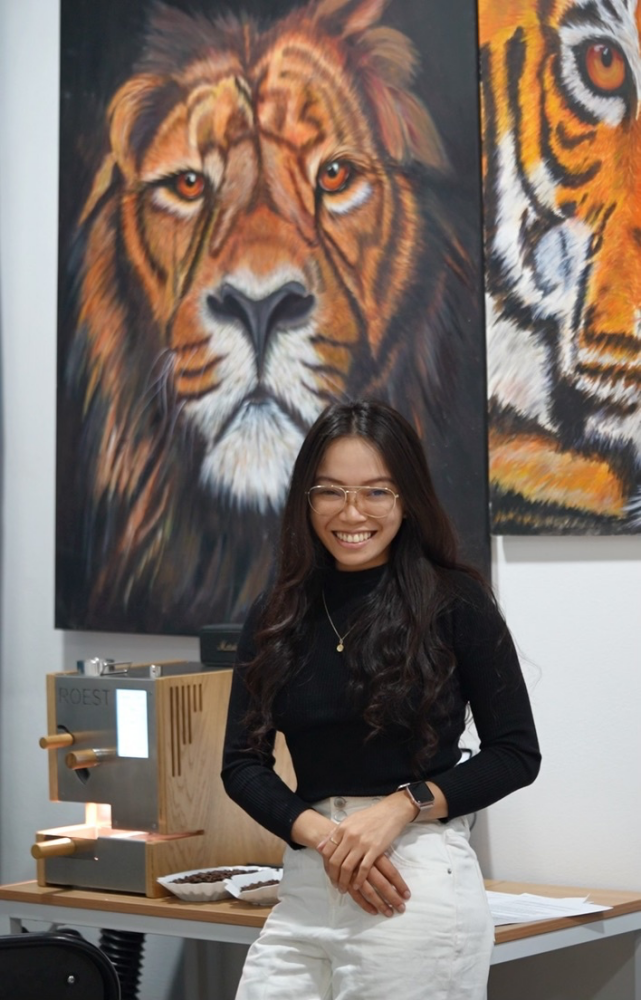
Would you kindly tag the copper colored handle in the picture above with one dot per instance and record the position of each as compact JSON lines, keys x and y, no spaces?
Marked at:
{"x":87,"y":758}
{"x":55,"y":741}
{"x":60,"y":847}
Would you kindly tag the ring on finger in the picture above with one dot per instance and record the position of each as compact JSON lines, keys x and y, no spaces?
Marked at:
{"x":335,"y":842}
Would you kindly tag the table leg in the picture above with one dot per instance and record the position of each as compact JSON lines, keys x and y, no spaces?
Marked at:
{"x":212,"y":968}
{"x":636,"y":971}
{"x":195,"y":966}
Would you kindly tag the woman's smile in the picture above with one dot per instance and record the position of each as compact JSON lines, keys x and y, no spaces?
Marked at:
{"x":357,"y":538}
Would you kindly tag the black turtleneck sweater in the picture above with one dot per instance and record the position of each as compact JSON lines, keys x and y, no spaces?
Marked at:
{"x":326,"y":734}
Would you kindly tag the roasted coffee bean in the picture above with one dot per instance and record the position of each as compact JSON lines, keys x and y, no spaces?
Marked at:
{"x":259,"y":885}
{"x":216,"y":876}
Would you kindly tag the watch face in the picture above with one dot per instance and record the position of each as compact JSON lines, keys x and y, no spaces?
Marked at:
{"x":421,"y":793}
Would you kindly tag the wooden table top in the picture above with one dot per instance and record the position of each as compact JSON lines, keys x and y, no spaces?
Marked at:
{"x":244,"y":914}
{"x":225,"y":911}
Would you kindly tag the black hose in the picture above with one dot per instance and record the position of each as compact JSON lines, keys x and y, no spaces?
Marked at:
{"x":124,"y":949}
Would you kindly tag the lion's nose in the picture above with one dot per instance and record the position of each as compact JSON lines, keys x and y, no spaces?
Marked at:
{"x":288,"y":306}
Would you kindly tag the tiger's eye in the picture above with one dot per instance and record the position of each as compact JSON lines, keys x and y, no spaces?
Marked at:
{"x":605,"y":66}
{"x":189,"y":185}
{"x":334,"y":176}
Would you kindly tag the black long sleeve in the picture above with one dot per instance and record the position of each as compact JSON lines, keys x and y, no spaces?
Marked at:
{"x":327,"y":737}
{"x":492,"y":684}
{"x":248,"y":777}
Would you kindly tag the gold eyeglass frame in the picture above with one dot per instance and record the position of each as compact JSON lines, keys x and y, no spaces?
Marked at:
{"x":355,"y":490}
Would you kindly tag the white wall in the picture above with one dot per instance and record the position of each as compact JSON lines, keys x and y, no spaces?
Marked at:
{"x":30,"y":647}
{"x":573,"y":604}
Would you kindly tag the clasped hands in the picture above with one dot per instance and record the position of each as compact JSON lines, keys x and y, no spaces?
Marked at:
{"x":355,"y":859}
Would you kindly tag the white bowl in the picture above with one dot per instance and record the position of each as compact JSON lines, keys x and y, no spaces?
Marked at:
{"x":204,"y":892}
{"x":263,"y":895}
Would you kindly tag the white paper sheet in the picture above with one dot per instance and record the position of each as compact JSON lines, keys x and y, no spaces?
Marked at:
{"x":507,"y":908}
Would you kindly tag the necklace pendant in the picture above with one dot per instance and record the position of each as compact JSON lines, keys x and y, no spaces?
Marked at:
{"x":340,"y":647}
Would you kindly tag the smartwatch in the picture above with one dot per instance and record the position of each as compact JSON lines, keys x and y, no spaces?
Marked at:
{"x":419,"y":794}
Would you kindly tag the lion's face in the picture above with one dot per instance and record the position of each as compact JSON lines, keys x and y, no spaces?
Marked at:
{"x":273,"y":234}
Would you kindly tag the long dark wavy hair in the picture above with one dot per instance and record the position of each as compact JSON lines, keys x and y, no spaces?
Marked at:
{"x":401,"y":649}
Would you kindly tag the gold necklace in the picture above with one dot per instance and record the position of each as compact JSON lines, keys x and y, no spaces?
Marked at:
{"x":340,"y":638}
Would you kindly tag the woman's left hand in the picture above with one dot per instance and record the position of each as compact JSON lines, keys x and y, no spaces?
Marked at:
{"x":354,"y":845}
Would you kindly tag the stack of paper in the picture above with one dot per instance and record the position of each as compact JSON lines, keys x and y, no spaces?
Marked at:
{"x":522,"y":909}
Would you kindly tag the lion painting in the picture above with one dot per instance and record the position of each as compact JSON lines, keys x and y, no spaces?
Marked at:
{"x":272,"y":227}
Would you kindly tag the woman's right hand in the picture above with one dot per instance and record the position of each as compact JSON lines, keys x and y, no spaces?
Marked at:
{"x":384,"y":890}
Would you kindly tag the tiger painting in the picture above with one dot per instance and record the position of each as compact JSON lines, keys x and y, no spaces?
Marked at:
{"x":272,"y":226}
{"x":561,"y":89}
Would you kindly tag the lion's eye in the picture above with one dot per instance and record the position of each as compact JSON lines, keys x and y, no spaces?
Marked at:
{"x":188,"y":185}
{"x":334,"y":176}
{"x":605,"y":66}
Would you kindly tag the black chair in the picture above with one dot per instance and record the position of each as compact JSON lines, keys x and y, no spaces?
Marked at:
{"x":55,"y":966}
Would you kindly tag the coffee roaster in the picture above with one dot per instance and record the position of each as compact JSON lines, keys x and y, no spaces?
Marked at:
{"x":141,"y":746}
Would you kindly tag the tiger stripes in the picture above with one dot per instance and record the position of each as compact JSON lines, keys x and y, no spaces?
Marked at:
{"x":560,"y":84}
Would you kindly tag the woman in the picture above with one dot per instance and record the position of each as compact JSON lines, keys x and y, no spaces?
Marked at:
{"x":366,"y":653}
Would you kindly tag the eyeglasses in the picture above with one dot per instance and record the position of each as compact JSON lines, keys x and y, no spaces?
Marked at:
{"x":375,"y":501}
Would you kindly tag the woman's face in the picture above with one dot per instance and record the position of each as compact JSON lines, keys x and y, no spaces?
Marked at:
{"x":353,"y":537}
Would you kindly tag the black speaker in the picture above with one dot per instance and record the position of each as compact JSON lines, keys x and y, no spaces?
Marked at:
{"x":218,"y":645}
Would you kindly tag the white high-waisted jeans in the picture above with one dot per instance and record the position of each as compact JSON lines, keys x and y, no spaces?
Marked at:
{"x":318,"y":944}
